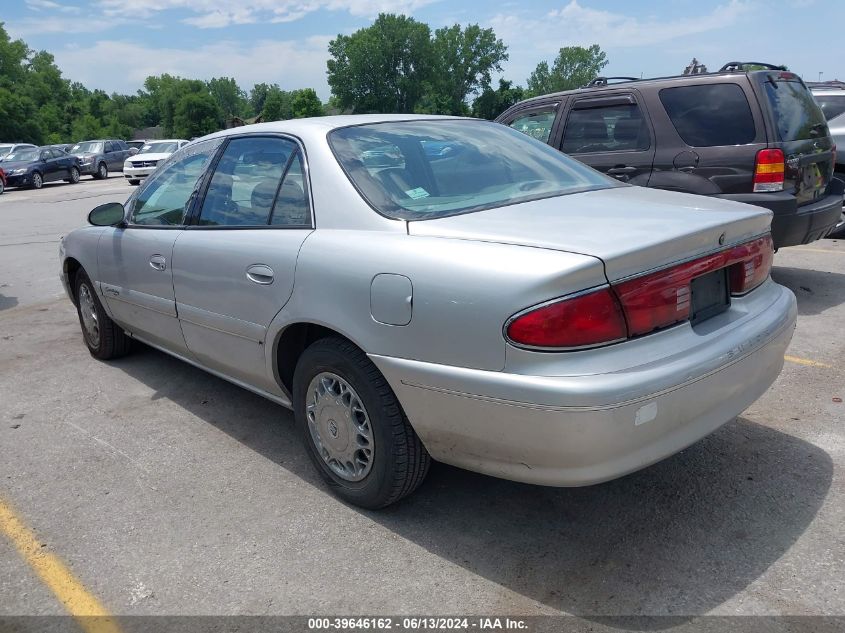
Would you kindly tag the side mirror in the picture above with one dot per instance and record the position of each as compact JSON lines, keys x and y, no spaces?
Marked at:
{"x":108,"y":214}
{"x":133,"y":151}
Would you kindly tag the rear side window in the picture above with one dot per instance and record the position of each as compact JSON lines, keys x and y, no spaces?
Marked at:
{"x":709,"y":115}
{"x":536,"y":124}
{"x":610,"y":128}
{"x":832,"y":106}
{"x":797,"y":115}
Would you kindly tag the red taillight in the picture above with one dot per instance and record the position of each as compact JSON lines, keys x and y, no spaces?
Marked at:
{"x":769,"y":170}
{"x":590,"y":319}
{"x":640,"y":305}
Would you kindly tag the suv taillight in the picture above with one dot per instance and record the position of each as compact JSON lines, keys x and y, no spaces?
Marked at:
{"x":636,"y":306}
{"x":768,"y":170}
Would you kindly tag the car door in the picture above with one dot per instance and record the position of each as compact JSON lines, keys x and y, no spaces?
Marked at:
{"x":112,"y":156}
{"x":52,"y":168}
{"x":611,"y":133}
{"x":134,"y":260}
{"x":233,"y":268}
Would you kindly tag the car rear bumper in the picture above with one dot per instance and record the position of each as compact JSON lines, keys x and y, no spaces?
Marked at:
{"x":793,"y":225}
{"x":585,"y":429}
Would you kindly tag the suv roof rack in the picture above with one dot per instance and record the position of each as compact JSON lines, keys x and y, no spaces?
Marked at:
{"x":733,"y":66}
{"x":603,"y":81}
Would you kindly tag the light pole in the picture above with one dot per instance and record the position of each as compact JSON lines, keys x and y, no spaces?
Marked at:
{"x":820,"y":75}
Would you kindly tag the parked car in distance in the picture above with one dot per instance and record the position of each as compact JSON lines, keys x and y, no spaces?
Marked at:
{"x":753,"y":136}
{"x":500,"y":306}
{"x":136,"y":145}
{"x":149,"y":157}
{"x":831,"y":99}
{"x":97,"y":158}
{"x":32,"y":167}
{"x":10,"y":148}
{"x":2,"y":181}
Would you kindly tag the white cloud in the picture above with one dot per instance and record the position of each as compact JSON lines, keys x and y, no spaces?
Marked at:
{"x":120,"y":66}
{"x":50,"y":5}
{"x":532,"y":38}
{"x":216,"y":14}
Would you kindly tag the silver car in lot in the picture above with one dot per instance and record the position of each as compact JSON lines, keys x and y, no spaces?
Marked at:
{"x":434,"y":287}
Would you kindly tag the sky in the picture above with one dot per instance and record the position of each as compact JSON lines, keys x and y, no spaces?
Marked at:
{"x":114,"y":44}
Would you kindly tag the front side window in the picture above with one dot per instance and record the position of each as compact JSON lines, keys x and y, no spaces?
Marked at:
{"x":164,"y":197}
{"x":486,"y":165}
{"x":831,"y":105}
{"x":536,"y":124}
{"x":610,"y":128}
{"x":710,"y":115}
{"x":245,"y":182}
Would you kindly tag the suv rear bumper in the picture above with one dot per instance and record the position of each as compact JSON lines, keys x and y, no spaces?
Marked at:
{"x":793,"y":225}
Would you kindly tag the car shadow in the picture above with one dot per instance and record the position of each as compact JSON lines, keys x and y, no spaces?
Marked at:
{"x":7,"y":302}
{"x":816,"y":290}
{"x":679,"y":538}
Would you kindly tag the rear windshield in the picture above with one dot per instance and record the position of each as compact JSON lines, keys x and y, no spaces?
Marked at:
{"x":832,"y":105}
{"x":426,"y":169}
{"x":710,"y":115}
{"x":797,"y":115}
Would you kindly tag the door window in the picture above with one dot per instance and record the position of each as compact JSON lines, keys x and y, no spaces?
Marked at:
{"x":164,"y":197}
{"x":245,"y":183}
{"x":610,"y":128}
{"x":710,"y":115}
{"x":536,"y":123}
{"x":291,"y":206}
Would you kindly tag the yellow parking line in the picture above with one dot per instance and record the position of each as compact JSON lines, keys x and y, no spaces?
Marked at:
{"x":77,"y":600}
{"x":818,"y":250}
{"x":805,"y":361}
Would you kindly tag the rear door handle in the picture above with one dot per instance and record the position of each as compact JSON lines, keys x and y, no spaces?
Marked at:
{"x":158,"y":262}
{"x":623,"y":170}
{"x":260,"y":274}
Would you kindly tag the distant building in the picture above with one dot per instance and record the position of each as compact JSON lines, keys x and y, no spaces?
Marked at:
{"x":695,"y":68}
{"x":236,"y":121}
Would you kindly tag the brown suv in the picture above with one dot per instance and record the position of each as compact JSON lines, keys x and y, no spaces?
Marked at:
{"x":754,"y":136}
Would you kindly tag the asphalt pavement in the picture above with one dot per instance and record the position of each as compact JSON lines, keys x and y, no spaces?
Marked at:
{"x":164,"y":490}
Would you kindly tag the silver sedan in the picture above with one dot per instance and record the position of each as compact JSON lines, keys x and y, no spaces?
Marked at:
{"x":420,"y":288}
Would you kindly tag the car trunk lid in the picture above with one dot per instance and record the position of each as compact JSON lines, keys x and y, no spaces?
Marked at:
{"x":631,"y":229}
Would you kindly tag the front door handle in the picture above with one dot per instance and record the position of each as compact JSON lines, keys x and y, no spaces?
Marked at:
{"x":260,"y":274}
{"x":158,"y":262}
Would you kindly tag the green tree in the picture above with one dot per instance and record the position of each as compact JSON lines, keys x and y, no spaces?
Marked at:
{"x":573,"y":67}
{"x":195,"y":114}
{"x":229,"y":97}
{"x":463,"y":61}
{"x":491,"y":103}
{"x":381,"y":68}
{"x":277,"y":105}
{"x":305,"y":103}
{"x":258,"y":95}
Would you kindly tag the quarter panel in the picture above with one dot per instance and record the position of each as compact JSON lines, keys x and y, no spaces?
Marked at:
{"x":463,"y":292}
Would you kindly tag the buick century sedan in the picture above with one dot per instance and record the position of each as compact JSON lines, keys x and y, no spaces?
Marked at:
{"x":493,"y":304}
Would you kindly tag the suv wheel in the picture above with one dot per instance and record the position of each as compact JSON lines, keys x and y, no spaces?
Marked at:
{"x":102,"y":172}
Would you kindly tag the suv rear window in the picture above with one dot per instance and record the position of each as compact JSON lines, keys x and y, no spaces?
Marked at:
{"x":797,"y":115}
{"x":709,"y":115}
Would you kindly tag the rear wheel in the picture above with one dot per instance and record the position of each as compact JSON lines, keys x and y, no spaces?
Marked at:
{"x":102,"y":172}
{"x":2,"y":187}
{"x":103,"y":337}
{"x":134,"y":181}
{"x":37,"y":181}
{"x":354,"y":429}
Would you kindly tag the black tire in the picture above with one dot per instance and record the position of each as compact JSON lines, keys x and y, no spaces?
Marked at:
{"x":74,"y":176}
{"x":102,"y":172}
{"x":37,"y":180}
{"x":134,"y":182}
{"x":400,"y":461}
{"x":2,"y":187}
{"x":112,"y":341}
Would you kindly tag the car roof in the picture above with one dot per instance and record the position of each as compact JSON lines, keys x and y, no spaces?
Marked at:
{"x":165,"y":140}
{"x":328,"y":123}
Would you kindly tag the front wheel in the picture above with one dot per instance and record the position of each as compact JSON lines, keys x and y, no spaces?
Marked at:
{"x":103,"y":337}
{"x":102,"y":172}
{"x":2,"y":187}
{"x":37,"y":181}
{"x":134,"y":181}
{"x":74,"y":176}
{"x":354,"y":429}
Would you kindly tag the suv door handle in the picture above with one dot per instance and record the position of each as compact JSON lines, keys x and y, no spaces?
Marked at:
{"x":623,"y":170}
{"x":158,"y":262}
{"x":260,"y":274}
